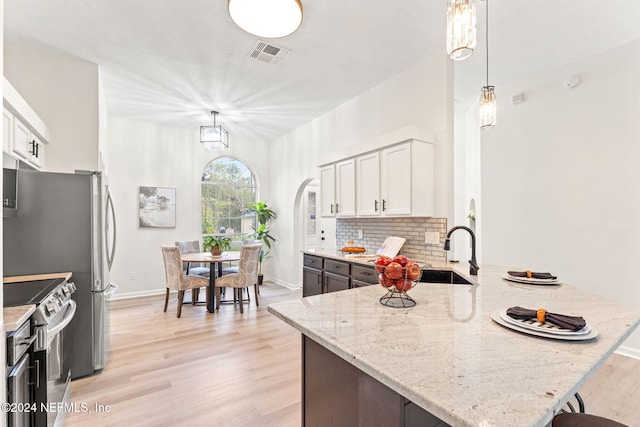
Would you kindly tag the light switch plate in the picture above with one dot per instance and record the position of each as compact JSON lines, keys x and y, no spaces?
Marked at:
{"x":360,"y":234}
{"x":432,"y":237}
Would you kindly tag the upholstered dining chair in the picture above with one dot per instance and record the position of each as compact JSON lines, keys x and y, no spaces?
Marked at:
{"x":192,"y":247}
{"x":176,"y":279}
{"x":246,"y":276}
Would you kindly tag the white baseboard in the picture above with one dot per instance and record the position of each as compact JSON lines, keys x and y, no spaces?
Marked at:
{"x":140,"y":294}
{"x":629,"y":352}
{"x":292,"y":286}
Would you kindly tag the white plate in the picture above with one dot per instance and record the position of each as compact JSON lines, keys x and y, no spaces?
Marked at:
{"x":496,"y":318}
{"x":549,"y":328}
{"x":531,"y":281}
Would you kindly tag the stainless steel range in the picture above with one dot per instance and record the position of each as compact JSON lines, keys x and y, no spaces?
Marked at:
{"x":51,"y":353}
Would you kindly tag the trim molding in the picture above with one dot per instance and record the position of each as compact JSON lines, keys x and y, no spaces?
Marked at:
{"x":292,"y":286}
{"x":140,"y":294}
{"x":628,"y":352}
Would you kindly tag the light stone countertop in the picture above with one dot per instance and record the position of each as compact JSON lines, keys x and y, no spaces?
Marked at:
{"x":13,"y":317}
{"x":448,"y":356}
{"x":32,"y":277}
{"x":337,"y":255}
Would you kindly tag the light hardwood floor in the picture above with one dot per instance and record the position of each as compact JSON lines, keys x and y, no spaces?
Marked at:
{"x":242,"y":370}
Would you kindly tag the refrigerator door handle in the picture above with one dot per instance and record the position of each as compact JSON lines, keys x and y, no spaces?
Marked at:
{"x":110,"y":214}
{"x":111,"y":289}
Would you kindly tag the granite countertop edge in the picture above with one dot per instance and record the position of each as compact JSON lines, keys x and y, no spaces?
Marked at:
{"x":13,"y":317}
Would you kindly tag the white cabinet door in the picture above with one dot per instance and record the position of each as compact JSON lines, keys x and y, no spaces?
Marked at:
{"x":7,"y":131}
{"x":346,"y":188}
{"x":396,"y":180}
{"x":328,"y":191}
{"x":368,"y":185}
{"x":36,"y":151}
{"x":21,"y":139}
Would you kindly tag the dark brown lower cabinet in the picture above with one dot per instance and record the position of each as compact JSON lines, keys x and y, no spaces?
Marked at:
{"x":311,"y":282}
{"x":334,"y":282}
{"x":335,"y":393}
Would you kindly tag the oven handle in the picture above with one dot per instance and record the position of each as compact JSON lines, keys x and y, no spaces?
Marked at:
{"x":71,"y":311}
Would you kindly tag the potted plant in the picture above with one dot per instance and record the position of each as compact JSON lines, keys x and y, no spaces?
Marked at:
{"x":263,"y":216}
{"x":216,"y":244}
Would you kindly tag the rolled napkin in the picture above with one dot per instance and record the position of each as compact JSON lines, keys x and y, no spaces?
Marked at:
{"x":532,"y":274}
{"x":573,"y":323}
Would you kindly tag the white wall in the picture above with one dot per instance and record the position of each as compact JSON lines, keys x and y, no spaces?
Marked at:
{"x":152,"y":155}
{"x":419,"y":96}
{"x":560,"y":176}
{"x":63,"y":91}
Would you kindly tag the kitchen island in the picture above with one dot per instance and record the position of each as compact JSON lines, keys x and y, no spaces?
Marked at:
{"x":448,"y":357}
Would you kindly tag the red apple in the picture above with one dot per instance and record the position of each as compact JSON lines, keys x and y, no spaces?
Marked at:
{"x":381,"y":263}
{"x":401,"y":259}
{"x":413,"y":271}
{"x":384,"y":281}
{"x":403,"y":285}
{"x":394,"y":270}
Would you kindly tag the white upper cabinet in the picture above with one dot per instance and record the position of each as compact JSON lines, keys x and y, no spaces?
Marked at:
{"x":328,"y":191}
{"x":24,"y":133}
{"x":7,"y":131}
{"x":396,"y":180}
{"x":368,"y":185}
{"x":346,"y":188}
{"x":21,"y":139}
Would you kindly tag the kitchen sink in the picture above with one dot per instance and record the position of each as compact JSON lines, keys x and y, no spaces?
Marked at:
{"x":443,"y":276}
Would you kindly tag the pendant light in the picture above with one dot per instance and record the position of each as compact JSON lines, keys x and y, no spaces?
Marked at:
{"x":214,"y":137}
{"x":461,"y":28}
{"x":266,"y":18}
{"x":487,"y":94}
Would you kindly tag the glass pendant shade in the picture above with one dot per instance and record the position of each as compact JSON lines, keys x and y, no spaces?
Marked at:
{"x":266,"y":18}
{"x":461,"y":28}
{"x":214,"y":137}
{"x":487,"y":107}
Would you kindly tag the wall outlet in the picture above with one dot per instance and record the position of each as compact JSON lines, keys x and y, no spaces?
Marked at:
{"x":432,"y":237}
{"x":132,"y":275}
{"x":360,"y":234}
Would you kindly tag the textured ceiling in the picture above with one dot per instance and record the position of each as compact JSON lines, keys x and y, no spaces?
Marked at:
{"x":171,"y":62}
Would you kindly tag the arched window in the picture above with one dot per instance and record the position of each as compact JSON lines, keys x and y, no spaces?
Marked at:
{"x":228,"y":186}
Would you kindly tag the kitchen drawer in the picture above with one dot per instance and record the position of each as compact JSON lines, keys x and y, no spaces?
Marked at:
{"x":361,"y":284}
{"x":364,"y":273}
{"x":313,"y":261}
{"x":336,"y":267}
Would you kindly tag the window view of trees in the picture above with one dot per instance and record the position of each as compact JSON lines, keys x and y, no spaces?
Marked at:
{"x":228,"y":186}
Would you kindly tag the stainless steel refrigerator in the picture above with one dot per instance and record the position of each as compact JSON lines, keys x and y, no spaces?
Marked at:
{"x":66,"y":222}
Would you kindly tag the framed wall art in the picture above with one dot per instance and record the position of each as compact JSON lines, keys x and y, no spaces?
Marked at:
{"x":157,"y":207}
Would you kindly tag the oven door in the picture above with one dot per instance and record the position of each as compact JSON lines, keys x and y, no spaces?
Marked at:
{"x":58,"y":363}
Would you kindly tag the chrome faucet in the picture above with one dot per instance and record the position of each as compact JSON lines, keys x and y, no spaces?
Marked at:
{"x":473,"y":269}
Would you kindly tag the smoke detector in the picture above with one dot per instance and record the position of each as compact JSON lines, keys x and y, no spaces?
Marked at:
{"x":268,"y":53}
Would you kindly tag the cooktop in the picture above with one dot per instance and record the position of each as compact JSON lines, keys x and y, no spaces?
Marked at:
{"x":32,"y":292}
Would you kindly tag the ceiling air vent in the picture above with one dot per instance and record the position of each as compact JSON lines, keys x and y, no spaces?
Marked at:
{"x":268,"y":53}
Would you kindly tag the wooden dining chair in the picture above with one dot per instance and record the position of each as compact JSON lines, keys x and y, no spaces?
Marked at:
{"x":246,"y":276}
{"x":176,"y":279}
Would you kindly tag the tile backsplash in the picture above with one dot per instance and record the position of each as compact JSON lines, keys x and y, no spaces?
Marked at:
{"x":375,"y":230}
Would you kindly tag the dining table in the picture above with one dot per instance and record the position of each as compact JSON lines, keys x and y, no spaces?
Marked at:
{"x":212,"y":260}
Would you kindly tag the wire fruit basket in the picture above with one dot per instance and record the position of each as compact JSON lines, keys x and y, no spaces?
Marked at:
{"x":397,"y":280}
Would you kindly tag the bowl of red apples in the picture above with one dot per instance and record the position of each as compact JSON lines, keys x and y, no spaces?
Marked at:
{"x":397,"y":275}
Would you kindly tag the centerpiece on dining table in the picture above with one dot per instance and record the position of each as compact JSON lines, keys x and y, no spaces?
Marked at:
{"x":397,"y":275}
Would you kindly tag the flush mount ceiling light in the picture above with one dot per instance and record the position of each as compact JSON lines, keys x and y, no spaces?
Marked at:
{"x":461,"y":28}
{"x":487,"y":94}
{"x":214,"y":137}
{"x":267,"y":18}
